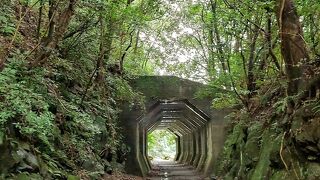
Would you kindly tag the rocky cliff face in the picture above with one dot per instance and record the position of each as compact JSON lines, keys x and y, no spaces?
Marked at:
{"x":273,"y":145}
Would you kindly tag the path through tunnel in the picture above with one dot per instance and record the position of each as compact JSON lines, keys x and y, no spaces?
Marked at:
{"x":187,"y":122}
{"x":170,"y":105}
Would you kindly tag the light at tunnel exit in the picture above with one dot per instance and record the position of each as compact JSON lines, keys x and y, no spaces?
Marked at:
{"x":161,"y":145}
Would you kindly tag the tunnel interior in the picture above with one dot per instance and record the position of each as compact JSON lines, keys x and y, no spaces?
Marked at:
{"x":186,"y":122}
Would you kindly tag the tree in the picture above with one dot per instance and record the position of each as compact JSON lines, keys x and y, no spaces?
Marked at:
{"x":293,"y":46}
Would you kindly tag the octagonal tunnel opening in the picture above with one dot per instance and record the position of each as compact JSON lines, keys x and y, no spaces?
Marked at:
{"x":185,"y":123}
{"x":161,"y":146}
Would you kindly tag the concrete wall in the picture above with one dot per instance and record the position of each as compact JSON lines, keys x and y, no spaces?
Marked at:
{"x":199,"y":147}
{"x":203,"y":151}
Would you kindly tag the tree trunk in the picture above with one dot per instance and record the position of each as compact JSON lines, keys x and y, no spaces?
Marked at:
{"x":100,"y":61}
{"x":269,"y":43}
{"x":51,"y":13}
{"x":220,"y":51}
{"x":40,"y":19}
{"x":251,"y":82}
{"x":211,"y":61}
{"x":58,"y":31}
{"x":293,"y":47}
{"x":105,"y":48}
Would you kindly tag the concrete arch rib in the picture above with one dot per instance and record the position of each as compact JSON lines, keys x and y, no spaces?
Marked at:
{"x":171,"y":105}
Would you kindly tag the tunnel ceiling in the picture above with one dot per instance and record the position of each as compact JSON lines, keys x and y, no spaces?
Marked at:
{"x":178,"y":116}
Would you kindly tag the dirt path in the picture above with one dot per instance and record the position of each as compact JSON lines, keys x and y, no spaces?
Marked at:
{"x":163,"y":170}
{"x":168,"y":170}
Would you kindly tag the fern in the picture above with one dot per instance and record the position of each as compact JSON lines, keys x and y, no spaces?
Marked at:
{"x":316,"y":109}
{"x":7,"y":26}
{"x":22,"y":105}
{"x":280,"y":106}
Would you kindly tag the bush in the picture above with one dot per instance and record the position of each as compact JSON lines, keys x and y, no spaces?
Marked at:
{"x":22,"y":106}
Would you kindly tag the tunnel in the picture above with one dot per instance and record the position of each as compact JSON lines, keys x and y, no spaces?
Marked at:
{"x":184,"y":120}
{"x":171,"y":104}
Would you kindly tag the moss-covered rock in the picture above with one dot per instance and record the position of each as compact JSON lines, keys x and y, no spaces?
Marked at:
{"x":72,"y":177}
{"x":307,"y":137}
{"x":249,"y":150}
{"x":312,"y":171}
{"x":28,"y":176}
{"x":229,"y":161}
{"x":270,"y":143}
{"x":252,"y":151}
{"x":279,"y":175}
{"x":2,"y":135}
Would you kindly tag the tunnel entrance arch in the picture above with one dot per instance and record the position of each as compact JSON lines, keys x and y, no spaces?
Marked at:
{"x":171,"y":104}
{"x":182,"y":119}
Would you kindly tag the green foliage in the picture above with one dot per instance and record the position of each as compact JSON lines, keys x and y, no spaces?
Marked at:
{"x":7,"y":26}
{"x":216,"y":46}
{"x":280,"y":106}
{"x":222,"y":96}
{"x":22,"y":105}
{"x":124,"y":92}
{"x":59,"y":107}
{"x":316,"y":108}
{"x":40,"y":105}
{"x":67,"y":113}
{"x":161,"y":144}
{"x":224,"y":101}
